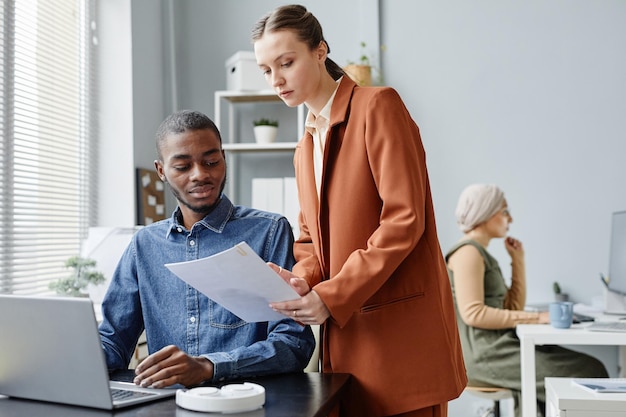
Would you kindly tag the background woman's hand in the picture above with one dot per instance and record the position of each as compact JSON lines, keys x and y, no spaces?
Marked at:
{"x":515,"y":248}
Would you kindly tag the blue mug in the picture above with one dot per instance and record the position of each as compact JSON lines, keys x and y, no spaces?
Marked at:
{"x":561,"y":314}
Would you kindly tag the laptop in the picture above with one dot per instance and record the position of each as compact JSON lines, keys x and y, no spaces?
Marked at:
{"x":50,"y":350}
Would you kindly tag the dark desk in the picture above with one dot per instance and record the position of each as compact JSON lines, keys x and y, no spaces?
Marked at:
{"x":292,"y":395}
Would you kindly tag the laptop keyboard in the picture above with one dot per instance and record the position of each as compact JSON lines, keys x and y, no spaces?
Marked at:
{"x":608,"y":326}
{"x":123,"y":394}
{"x":581,"y":318}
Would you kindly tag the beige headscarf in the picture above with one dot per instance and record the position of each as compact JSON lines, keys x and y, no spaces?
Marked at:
{"x":477,"y":204}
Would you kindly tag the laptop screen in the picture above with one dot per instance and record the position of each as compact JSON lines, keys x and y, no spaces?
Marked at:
{"x":50,"y":350}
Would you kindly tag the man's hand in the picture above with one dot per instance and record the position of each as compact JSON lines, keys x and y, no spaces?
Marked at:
{"x":170,"y":366}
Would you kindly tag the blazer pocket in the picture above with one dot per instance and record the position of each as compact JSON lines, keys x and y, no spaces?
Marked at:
{"x":407,"y":298}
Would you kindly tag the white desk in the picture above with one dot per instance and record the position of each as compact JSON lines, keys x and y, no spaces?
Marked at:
{"x":544,"y":334}
{"x":566,"y":399}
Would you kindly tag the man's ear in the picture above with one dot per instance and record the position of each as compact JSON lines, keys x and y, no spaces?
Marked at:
{"x":158,"y":166}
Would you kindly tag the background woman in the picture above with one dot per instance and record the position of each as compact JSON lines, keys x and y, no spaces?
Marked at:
{"x":488,"y":310}
{"x":368,"y":255}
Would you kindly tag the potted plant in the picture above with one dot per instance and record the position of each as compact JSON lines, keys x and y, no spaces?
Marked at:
{"x":558,"y":294}
{"x":361,"y":70}
{"x":82,"y":275}
{"x":265,"y":130}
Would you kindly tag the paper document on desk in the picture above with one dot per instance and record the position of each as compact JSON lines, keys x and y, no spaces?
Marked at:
{"x":602,"y":385}
{"x":239,"y":280}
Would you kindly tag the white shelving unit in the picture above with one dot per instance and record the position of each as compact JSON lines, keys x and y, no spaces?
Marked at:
{"x":232,"y":143}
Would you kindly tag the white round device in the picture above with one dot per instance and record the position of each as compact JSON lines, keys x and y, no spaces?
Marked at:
{"x":233,"y":398}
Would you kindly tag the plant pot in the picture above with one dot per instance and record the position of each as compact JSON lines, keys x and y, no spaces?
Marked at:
{"x":265,"y":133}
{"x":561,"y":297}
{"x":361,"y":74}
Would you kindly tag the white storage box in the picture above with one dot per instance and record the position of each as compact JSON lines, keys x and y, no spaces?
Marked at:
{"x":242,"y":73}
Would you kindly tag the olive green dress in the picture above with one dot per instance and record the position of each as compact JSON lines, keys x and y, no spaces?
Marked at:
{"x":492,"y":357}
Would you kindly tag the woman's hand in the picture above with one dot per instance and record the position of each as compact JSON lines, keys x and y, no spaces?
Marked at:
{"x":515,"y":248}
{"x":309,"y":309}
{"x":297,"y":283}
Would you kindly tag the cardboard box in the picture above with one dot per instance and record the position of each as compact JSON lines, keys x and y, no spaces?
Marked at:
{"x":242,"y":73}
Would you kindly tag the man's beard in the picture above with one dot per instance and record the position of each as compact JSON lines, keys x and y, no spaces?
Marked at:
{"x":200,"y":209}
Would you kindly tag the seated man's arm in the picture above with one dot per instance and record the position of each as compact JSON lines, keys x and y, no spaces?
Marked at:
{"x":225,"y":347}
{"x":287,"y":348}
{"x":122,"y":322}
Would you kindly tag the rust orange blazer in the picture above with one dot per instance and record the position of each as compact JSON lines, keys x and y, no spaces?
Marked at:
{"x":369,"y":248}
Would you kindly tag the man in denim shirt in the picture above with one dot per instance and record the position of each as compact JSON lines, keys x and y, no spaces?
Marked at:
{"x":191,"y":338}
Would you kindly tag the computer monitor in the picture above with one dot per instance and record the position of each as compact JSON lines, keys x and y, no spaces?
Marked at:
{"x":616,"y":285}
{"x":105,"y":245}
{"x":617,"y":254}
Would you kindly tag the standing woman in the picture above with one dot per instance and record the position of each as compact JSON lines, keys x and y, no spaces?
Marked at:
{"x":369,"y":265}
{"x":488,"y":310}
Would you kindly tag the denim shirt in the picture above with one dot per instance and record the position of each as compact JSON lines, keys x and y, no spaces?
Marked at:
{"x":144,"y":294}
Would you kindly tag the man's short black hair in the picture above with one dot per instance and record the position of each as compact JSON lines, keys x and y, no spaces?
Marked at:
{"x":182,"y":121}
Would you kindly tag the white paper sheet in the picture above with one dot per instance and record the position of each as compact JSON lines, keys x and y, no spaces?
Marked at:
{"x":239,"y":280}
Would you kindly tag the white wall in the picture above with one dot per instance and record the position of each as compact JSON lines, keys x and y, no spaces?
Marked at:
{"x":116,"y":185}
{"x":530,"y":95}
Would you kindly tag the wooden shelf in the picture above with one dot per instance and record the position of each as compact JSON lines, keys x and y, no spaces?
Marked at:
{"x":235,"y":145}
{"x":247,"y":96}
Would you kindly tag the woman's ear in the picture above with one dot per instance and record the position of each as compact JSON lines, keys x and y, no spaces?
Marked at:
{"x":322,"y":51}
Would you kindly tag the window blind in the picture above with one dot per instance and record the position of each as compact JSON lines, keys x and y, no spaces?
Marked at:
{"x":48,"y":138}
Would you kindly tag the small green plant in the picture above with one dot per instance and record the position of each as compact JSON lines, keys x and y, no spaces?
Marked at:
{"x":559,"y":295}
{"x":82,"y":275}
{"x":265,"y":122}
{"x":366,"y":60}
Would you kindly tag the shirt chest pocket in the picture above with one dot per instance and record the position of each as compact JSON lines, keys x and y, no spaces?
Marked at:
{"x":223,"y":319}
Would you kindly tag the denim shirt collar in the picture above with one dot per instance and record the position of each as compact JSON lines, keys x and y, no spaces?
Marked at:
{"x":216,"y":220}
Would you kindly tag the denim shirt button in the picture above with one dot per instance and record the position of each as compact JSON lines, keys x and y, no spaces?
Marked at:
{"x":179,"y":230}
{"x":192,"y":242}
{"x":192,"y":319}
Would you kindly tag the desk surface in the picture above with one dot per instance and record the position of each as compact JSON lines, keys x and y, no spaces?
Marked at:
{"x":531,"y":335}
{"x":563,"y":395}
{"x":545,"y":334}
{"x":291,"y":395}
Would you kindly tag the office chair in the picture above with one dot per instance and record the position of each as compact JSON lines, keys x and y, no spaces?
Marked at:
{"x":491,"y":393}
